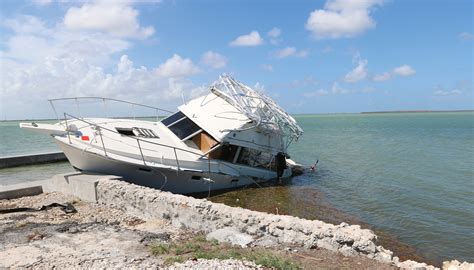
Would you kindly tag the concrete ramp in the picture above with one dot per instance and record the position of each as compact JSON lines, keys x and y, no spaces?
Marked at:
{"x":21,"y":190}
{"x":81,"y":185}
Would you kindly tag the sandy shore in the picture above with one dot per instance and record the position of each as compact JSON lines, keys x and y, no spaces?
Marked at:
{"x":99,"y":236}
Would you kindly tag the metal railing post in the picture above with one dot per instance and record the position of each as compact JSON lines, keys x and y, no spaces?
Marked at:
{"x":141,"y":153}
{"x":176,"y":157}
{"x":54,"y":109}
{"x":105,"y":108}
{"x":67,"y":128}
{"x":77,"y":107}
{"x":101,"y":139}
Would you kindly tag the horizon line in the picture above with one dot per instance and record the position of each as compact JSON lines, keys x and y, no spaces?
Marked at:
{"x":366,"y":112}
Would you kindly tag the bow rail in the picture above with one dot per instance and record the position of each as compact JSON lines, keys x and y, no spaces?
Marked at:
{"x":104,"y":101}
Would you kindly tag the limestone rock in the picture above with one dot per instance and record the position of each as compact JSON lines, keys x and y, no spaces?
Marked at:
{"x":456,"y":265}
{"x":230,"y":235}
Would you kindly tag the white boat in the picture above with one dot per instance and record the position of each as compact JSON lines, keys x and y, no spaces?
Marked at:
{"x":233,"y":136}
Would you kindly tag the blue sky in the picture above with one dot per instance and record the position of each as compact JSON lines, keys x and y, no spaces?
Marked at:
{"x":310,"y":56}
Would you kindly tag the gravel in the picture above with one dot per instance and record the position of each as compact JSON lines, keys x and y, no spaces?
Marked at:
{"x":229,"y":264}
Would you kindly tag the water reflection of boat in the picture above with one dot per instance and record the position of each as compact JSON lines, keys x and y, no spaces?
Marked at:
{"x":231,"y":137}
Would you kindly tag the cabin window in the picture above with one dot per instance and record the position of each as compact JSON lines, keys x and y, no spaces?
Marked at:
{"x":184,"y":128}
{"x":138,"y":132}
{"x":173,"y":118}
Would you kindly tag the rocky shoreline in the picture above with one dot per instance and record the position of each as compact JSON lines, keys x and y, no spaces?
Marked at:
{"x":311,"y":204}
{"x":101,"y":236}
{"x":247,"y":227}
{"x":119,"y":230}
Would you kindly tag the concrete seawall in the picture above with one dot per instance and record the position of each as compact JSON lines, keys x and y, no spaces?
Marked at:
{"x":202,"y":215}
{"x":245,"y":227}
{"x":15,"y":161}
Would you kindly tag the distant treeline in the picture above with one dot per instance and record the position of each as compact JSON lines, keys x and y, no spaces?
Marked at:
{"x":418,"y":111}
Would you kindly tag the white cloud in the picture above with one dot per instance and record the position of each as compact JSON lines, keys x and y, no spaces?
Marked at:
{"x":383,"y":77}
{"x":114,"y":17}
{"x":27,"y":88}
{"x":342,"y":18}
{"x":40,"y":62}
{"x":368,"y":90}
{"x":359,"y":72}
{"x":259,"y":87}
{"x":214,"y":60}
{"x":267,"y":67}
{"x":26,"y":24}
{"x":251,"y":39}
{"x":327,"y":49}
{"x":318,"y":93}
{"x":176,"y":66}
{"x":466,"y":36}
{"x":32,"y":41}
{"x":336,"y":89}
{"x":274,"y":33}
{"x":290,"y":51}
{"x":274,"y":36}
{"x":404,"y":70}
{"x":454,"y":92}
{"x":42,"y":2}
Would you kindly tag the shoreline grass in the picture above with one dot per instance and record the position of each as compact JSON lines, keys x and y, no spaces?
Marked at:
{"x":198,"y":247}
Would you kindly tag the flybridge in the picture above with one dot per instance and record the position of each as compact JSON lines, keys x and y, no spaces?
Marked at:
{"x":262,"y":110}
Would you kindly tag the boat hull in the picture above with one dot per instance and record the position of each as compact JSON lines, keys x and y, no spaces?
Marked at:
{"x":181,"y":182}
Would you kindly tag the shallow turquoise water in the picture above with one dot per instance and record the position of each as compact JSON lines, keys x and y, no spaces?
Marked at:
{"x":16,"y":141}
{"x":408,"y":174}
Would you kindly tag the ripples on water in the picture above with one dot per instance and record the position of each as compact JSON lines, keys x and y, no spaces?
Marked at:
{"x":410,"y":175}
{"x":17,"y":141}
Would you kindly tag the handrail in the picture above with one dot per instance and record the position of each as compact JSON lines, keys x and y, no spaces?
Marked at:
{"x":144,"y":163}
{"x":67,"y":127}
{"x":138,"y":139}
{"x":112,"y":99}
{"x":51,"y":101}
{"x":159,"y":144}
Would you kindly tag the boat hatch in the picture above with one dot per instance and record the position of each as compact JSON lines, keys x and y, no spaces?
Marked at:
{"x":138,"y":132}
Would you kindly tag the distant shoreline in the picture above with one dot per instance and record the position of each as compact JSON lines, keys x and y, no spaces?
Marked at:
{"x":418,"y":111}
{"x":401,"y":111}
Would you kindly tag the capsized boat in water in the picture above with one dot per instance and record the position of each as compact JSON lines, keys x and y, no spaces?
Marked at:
{"x":233,"y":136}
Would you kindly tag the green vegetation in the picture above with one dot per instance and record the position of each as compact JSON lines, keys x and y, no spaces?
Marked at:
{"x":199,"y":248}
